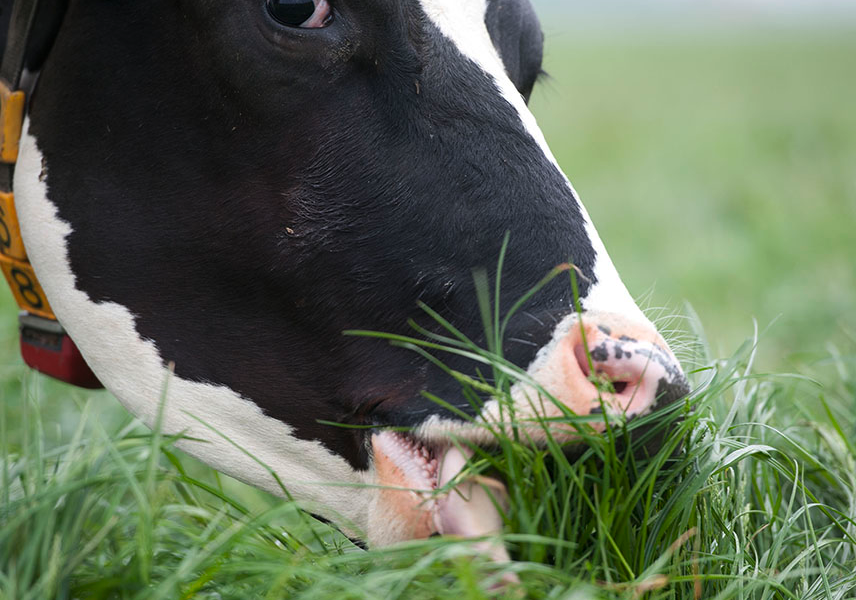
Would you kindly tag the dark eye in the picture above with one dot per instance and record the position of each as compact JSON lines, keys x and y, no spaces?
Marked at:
{"x":301,"y":13}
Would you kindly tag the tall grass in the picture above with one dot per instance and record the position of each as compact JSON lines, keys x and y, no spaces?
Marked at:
{"x":730,"y":494}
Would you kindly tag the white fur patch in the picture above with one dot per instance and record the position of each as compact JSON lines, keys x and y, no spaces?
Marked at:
{"x":133,"y":370}
{"x":463,"y":22}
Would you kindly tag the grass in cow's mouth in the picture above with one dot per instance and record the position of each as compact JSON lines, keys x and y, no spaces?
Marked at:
{"x":745,"y":498}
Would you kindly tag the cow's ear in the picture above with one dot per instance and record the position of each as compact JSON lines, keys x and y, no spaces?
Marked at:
{"x":48,"y":19}
{"x":517,"y":36}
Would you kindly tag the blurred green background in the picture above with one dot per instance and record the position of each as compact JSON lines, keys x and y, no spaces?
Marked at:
{"x":715,"y":148}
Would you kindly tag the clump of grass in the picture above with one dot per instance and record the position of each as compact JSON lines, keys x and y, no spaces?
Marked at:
{"x":723,"y":495}
{"x":746,"y":489}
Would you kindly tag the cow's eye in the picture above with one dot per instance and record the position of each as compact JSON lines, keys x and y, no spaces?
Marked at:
{"x":301,"y":13}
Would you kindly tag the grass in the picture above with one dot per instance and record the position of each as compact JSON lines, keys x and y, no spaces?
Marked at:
{"x":739,"y":152}
{"x":742,"y":500}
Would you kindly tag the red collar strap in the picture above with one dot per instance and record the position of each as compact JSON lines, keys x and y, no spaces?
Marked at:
{"x":45,"y":346}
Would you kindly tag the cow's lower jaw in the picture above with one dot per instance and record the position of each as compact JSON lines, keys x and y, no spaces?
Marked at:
{"x":409,"y":474}
{"x":406,"y":476}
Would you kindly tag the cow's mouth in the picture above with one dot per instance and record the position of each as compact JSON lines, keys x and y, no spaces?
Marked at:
{"x":410,"y":461}
{"x":424,"y":490}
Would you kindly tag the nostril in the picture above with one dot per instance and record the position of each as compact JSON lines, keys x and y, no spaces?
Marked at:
{"x":609,"y":364}
{"x":603,"y":378}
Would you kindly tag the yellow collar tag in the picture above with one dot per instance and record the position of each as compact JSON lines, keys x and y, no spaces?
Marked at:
{"x":13,"y":256}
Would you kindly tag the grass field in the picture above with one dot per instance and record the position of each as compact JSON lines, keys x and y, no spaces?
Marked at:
{"x":723,"y":168}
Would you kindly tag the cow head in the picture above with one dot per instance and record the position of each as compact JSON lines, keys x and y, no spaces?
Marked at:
{"x":228,"y":186}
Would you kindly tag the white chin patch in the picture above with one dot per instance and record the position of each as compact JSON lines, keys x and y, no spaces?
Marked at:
{"x":133,"y":370}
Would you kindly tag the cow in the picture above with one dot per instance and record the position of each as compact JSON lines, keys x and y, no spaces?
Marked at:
{"x":211,"y":193}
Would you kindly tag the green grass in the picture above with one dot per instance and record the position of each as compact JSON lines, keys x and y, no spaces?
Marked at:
{"x":742,"y":500}
{"x":722,"y":169}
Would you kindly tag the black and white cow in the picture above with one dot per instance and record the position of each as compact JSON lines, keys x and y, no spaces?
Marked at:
{"x":228,"y":186}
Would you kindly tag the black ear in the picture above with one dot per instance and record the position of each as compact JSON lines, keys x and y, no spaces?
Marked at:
{"x":517,"y":36}
{"x":48,"y":20}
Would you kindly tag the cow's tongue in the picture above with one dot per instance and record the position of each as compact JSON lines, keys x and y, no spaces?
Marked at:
{"x":468,"y":509}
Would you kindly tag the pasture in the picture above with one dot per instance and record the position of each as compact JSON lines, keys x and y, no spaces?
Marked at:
{"x":719,"y":168}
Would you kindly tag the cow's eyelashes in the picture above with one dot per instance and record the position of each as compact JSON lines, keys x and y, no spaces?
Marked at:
{"x":308,"y":14}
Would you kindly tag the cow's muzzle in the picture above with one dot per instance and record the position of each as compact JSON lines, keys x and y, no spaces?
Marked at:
{"x":595,"y":364}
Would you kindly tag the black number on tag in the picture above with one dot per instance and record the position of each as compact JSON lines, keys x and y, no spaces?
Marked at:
{"x":27,"y":289}
{"x":5,"y":234}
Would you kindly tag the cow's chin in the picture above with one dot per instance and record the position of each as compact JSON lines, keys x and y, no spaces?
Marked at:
{"x":412,"y":503}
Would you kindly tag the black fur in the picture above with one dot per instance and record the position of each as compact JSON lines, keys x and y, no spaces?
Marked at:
{"x":250,"y":191}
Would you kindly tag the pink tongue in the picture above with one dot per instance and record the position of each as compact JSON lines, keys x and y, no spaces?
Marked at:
{"x":468,"y":510}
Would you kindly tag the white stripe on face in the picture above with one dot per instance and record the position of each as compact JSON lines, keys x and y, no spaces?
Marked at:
{"x":463,"y":23}
{"x":133,"y":370}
